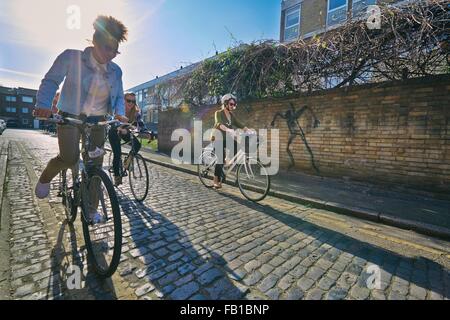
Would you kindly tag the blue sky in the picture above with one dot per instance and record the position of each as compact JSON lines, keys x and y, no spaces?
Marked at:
{"x":164,"y":34}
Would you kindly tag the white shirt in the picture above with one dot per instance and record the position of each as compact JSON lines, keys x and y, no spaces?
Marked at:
{"x":96,"y":103}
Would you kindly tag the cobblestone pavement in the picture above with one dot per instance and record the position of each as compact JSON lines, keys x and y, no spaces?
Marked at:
{"x":188,"y":242}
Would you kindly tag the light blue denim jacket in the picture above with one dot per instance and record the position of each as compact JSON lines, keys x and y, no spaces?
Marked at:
{"x":76,"y":68}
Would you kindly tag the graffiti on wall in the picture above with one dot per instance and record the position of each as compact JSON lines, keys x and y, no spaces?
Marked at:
{"x":292,"y":118}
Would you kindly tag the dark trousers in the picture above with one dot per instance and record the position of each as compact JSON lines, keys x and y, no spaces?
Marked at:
{"x":218,"y":169}
{"x":114,"y":140}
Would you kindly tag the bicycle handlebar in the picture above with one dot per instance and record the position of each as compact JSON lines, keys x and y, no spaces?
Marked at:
{"x":68,"y":120}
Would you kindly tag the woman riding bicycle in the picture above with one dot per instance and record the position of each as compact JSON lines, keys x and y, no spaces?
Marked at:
{"x":115,"y":134}
{"x":92,"y":88}
{"x":225,"y":120}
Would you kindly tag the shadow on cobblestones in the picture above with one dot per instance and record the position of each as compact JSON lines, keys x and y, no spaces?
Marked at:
{"x":67,"y":259}
{"x":164,"y":264}
{"x":326,"y":249}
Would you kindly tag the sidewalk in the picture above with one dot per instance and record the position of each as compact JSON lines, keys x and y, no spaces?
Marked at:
{"x":405,"y":209}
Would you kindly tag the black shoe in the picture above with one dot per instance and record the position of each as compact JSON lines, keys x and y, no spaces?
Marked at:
{"x":117,"y":181}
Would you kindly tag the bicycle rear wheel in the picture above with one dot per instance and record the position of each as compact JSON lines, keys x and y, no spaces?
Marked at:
{"x":68,"y":195}
{"x":253,"y":180}
{"x":103,"y":240}
{"x":205,"y":168}
{"x":138,"y":177}
{"x":110,"y":168}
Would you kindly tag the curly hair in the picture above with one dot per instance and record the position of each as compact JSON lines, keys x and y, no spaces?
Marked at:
{"x":108,"y":27}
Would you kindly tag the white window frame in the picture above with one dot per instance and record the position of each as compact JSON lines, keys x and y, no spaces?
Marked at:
{"x":25,"y":121}
{"x":335,"y":9}
{"x":293,"y":8}
{"x":363,"y":16}
{"x":328,"y":6}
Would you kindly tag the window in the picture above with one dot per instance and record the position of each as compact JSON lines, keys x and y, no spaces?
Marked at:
{"x":11,"y":109}
{"x":27,"y":99}
{"x":337,"y":12}
{"x":144,"y":96}
{"x":10,"y":98}
{"x":25,"y":110}
{"x":359,"y":8}
{"x":24,"y":121}
{"x":292,"y":23}
{"x":139,"y":97}
{"x":153,"y":115}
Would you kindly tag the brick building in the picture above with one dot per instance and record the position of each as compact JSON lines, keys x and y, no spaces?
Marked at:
{"x":16,"y":106}
{"x":306,"y":18}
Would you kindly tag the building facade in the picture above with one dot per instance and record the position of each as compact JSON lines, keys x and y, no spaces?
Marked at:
{"x":16,"y":107}
{"x":302,"y":19}
{"x":160,"y":94}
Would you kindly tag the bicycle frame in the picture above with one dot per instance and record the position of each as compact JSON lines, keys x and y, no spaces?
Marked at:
{"x":80,"y":171}
{"x":239,"y":158}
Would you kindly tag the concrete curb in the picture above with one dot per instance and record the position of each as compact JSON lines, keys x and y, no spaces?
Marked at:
{"x":423,"y":228}
{"x":5,"y":254}
{"x":4,"y":148}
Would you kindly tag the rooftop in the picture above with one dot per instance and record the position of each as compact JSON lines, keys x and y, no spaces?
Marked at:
{"x":17,"y":91}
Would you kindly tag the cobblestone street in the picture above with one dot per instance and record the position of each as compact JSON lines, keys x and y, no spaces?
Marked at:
{"x":189,"y":242}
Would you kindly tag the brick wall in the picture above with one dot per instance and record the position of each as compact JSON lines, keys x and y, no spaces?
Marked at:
{"x":394,"y":132}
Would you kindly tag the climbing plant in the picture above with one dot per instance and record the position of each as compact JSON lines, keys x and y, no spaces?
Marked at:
{"x":412,"y":41}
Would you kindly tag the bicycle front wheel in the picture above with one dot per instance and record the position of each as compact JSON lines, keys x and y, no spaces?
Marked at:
{"x":253,"y":180}
{"x":138,"y":178}
{"x":104,"y":239}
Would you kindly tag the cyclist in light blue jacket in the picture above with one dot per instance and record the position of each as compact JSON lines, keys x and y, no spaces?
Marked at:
{"x":92,"y":88}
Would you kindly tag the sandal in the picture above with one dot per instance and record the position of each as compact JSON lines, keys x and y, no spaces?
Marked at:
{"x":217,"y":186}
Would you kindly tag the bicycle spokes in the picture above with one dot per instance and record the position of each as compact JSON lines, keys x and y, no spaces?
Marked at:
{"x":103,"y":202}
{"x":104,"y":236}
{"x":253,"y":180}
{"x":138,"y":177}
{"x":205,"y":168}
{"x":249,"y":170}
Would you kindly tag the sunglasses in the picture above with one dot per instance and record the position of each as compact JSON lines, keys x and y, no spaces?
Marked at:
{"x":109,"y":48}
{"x":131,"y":101}
{"x":232,"y":104}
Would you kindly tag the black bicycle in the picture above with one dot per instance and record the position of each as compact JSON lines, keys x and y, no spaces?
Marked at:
{"x":133,"y":166}
{"x":89,"y":188}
